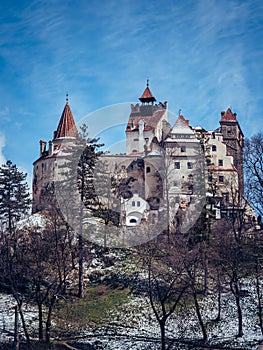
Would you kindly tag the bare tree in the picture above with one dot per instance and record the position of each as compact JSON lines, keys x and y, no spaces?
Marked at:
{"x":166,"y":283}
{"x":38,"y":270}
{"x":253,"y":166}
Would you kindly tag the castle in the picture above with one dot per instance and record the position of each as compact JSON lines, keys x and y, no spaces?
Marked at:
{"x":166,"y":168}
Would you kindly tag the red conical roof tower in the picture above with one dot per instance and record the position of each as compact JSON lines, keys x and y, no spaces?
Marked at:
{"x":66,"y":126}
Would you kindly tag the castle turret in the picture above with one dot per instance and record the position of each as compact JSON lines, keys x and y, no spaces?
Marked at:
{"x":234,"y":139}
{"x":46,"y":165}
{"x":145,"y":122}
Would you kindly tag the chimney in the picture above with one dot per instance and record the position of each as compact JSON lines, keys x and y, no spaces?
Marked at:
{"x":42,"y":147}
{"x":51,"y":148}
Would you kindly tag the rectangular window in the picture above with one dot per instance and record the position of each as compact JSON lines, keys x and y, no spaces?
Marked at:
{"x":189,"y":165}
{"x":214,"y":148}
{"x":210,"y":178}
{"x":177,"y":165}
{"x":220,"y":162}
{"x":221,"y":178}
{"x":138,"y":204}
{"x":133,"y":203}
{"x":183,"y":149}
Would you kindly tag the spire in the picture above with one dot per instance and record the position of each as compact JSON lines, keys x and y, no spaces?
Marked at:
{"x":66,"y":126}
{"x":147,"y":96}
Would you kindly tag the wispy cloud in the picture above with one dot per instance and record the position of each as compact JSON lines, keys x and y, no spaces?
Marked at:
{"x":201,"y":56}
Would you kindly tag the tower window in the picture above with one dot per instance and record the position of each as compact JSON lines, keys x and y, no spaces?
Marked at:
{"x":138,"y":203}
{"x":214,"y":148}
{"x":220,"y":162}
{"x":177,"y":165}
{"x":148,"y":169}
{"x":221,"y":178}
{"x":133,"y":203}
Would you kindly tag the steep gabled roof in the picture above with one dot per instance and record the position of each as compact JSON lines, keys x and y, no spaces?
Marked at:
{"x":66,"y":126}
{"x":181,"y":126}
{"x":228,"y":116}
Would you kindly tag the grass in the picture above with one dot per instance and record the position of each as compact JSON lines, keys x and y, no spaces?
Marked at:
{"x":92,"y":309}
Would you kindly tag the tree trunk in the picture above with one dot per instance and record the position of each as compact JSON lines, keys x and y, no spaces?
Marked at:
{"x":16,"y":334}
{"x":218,"y":318}
{"x":19,"y":304}
{"x":48,"y":321}
{"x":40,"y":322}
{"x":162,"y":328}
{"x":240,"y":318}
{"x":200,"y":319}
{"x":236,"y":292}
{"x":80,"y":287}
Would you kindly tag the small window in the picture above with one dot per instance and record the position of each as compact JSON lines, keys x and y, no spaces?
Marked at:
{"x":183,"y":149}
{"x":133,"y":221}
{"x":133,"y":203}
{"x":214,"y":148}
{"x":135,"y":139}
{"x":148,"y":169}
{"x":210,"y":178}
{"x":189,"y":165}
{"x":177,"y":165}
{"x":221,"y":178}
{"x":138,"y":203}
{"x":225,"y":196}
{"x":134,"y":150}
{"x":220,"y":162}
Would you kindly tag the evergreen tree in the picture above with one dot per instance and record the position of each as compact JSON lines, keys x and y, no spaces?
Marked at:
{"x":14,"y":195}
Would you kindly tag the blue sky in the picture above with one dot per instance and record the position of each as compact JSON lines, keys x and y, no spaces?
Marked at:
{"x":202,"y":56}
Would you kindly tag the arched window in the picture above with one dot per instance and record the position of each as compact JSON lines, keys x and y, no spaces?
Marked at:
{"x":133,"y":221}
{"x":148,"y":169}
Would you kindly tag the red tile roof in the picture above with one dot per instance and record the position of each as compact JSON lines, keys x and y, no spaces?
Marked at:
{"x":66,"y":126}
{"x":147,"y":96}
{"x":151,"y":121}
{"x":228,"y":116}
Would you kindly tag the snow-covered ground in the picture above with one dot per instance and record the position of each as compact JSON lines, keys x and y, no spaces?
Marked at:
{"x":130,"y":323}
{"x":7,"y":317}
